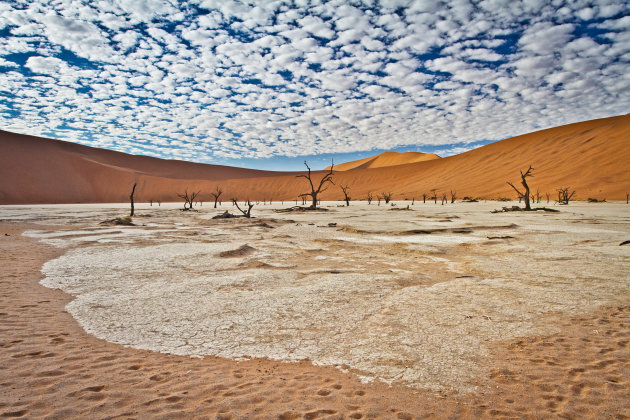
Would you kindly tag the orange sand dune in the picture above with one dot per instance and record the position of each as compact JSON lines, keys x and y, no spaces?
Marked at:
{"x":386,"y":159}
{"x":593,"y":157}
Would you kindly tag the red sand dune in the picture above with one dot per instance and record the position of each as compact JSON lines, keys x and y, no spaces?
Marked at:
{"x":592,"y":157}
{"x":386,"y":159}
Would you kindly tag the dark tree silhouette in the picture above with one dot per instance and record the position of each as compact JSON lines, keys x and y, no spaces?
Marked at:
{"x":444,"y":199}
{"x":369,"y":197}
{"x":434,"y":196}
{"x":133,"y":190}
{"x":524,"y":195}
{"x":564,"y":195}
{"x":424,"y":197}
{"x":453,"y":196}
{"x":247,"y":213}
{"x":387,"y":196}
{"x":188,"y":199}
{"x":216,"y":196}
{"x":327,"y":178}
{"x":346,"y":197}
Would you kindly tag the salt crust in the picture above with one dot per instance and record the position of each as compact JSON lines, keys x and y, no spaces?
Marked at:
{"x":339,"y":303}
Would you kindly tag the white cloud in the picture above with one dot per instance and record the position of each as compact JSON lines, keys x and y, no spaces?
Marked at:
{"x":256,"y":79}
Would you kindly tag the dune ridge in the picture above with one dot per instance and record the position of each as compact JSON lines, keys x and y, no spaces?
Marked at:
{"x":592,"y":157}
{"x":386,"y":159}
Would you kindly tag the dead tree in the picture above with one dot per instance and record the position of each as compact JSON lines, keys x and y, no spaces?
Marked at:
{"x":378,"y":197}
{"x":524,"y":195}
{"x":538,"y":195}
{"x":453,"y":196}
{"x":216,"y":196}
{"x":627,"y":197}
{"x":151,"y":203}
{"x":413,"y":200}
{"x":564,"y":195}
{"x":444,"y":199}
{"x":346,"y":197}
{"x":247,"y":213}
{"x":133,"y":190}
{"x":424,"y":197}
{"x":188,"y":199}
{"x":548,"y":195}
{"x":369,"y":197}
{"x":434,"y":196}
{"x":327,"y":178}
{"x":387,"y":197}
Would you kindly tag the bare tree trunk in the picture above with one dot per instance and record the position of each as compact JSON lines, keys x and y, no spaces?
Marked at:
{"x":524,"y":195}
{"x":327,"y":178}
{"x":133,"y":190}
{"x":345,"y":189}
{"x":424,"y":198}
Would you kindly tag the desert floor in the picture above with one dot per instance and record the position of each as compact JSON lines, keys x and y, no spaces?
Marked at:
{"x":354,"y":312}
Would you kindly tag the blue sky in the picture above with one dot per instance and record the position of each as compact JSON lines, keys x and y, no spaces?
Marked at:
{"x":266,"y":84}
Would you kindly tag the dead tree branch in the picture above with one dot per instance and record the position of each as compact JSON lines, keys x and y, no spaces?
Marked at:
{"x":327,"y":178}
{"x":524,"y":195}
{"x":133,"y":190}
{"x":188,"y":199}
{"x":216,"y":196}
{"x":247,"y":213}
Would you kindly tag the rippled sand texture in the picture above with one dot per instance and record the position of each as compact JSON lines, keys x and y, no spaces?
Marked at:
{"x":412,"y":296}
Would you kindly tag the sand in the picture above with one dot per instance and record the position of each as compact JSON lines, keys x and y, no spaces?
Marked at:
{"x":590,"y":157}
{"x":385,"y":160}
{"x":531,"y":326}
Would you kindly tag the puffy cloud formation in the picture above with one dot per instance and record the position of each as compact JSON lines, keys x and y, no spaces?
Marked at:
{"x":206,"y":80}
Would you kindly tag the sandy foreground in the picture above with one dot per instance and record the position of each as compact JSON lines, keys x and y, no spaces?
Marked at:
{"x":357,"y":312}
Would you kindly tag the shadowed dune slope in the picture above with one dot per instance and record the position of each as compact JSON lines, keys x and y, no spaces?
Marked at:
{"x":592,"y":157}
{"x":386,"y":159}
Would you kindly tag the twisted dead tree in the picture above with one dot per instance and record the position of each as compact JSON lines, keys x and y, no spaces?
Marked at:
{"x":387,"y":196}
{"x":133,"y":190}
{"x":370,"y":197}
{"x":424,"y":197}
{"x":524,"y":195}
{"x":216,"y":195}
{"x":321,"y":187}
{"x":453,"y":196}
{"x":444,"y":199}
{"x":564,"y":195}
{"x":188,"y":199}
{"x":247,"y":213}
{"x":346,"y":197}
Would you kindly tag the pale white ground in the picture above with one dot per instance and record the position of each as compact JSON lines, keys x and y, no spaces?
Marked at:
{"x":365,"y":295}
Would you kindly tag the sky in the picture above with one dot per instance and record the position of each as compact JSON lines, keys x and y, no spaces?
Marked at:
{"x":269,"y":83}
